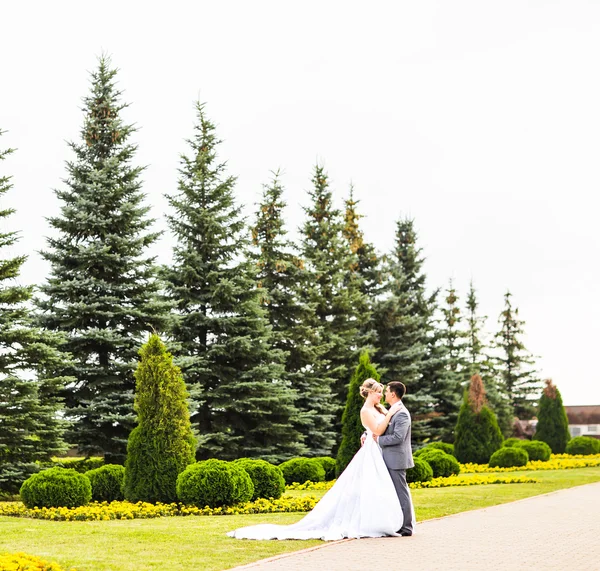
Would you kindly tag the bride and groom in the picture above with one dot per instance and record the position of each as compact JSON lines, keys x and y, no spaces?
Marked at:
{"x":371,"y":497}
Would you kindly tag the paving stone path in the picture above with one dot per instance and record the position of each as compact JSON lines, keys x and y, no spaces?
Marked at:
{"x":560,"y":530}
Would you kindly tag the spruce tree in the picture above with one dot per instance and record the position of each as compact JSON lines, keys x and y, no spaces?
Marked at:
{"x":31,"y":430}
{"x":477,"y":434}
{"x":242,"y":404}
{"x":403,"y":318}
{"x":553,"y":425}
{"x":365,"y":270}
{"x":479,"y":362}
{"x":282,"y":276}
{"x":334,"y":290}
{"x":102,"y":291}
{"x":516,"y":365}
{"x":352,"y":427}
{"x":162,"y":445}
{"x":444,"y":367}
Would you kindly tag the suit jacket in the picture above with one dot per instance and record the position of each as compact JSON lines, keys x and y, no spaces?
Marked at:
{"x":395,"y":442}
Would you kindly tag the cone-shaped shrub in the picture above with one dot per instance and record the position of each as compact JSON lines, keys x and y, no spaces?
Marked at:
{"x":162,"y":445}
{"x":352,"y":428}
{"x":553,"y":425}
{"x":477,"y":435}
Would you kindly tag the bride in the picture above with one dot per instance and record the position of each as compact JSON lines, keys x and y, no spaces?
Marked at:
{"x":362,"y":502}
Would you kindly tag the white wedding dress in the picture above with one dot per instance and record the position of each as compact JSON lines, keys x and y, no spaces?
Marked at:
{"x":362,"y":503}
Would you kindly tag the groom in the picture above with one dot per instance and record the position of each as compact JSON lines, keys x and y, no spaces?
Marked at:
{"x":397,"y":451}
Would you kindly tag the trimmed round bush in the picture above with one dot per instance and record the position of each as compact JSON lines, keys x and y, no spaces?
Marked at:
{"x":214,"y":483}
{"x":512,"y":442}
{"x":107,"y":483}
{"x":509,"y":456}
{"x":329,"y":465}
{"x":267,"y":479}
{"x":442,"y":464}
{"x":302,"y":470}
{"x":583,"y":445}
{"x":536,"y":449}
{"x":56,"y":488}
{"x":443,"y":446}
{"x":421,"y":472}
{"x":81,"y":465}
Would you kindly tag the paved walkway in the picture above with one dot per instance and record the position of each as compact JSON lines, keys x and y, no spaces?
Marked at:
{"x":560,"y":530}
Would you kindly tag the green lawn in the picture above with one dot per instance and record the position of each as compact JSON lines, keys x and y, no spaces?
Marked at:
{"x":200,"y":542}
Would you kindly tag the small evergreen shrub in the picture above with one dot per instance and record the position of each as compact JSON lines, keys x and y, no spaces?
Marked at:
{"x":443,"y":446}
{"x":509,"y":456}
{"x":583,"y":445}
{"x":352,"y":427}
{"x":162,"y":444}
{"x":442,"y":464}
{"x":553,"y":425}
{"x":267,"y":479}
{"x":56,"y":487}
{"x":214,"y":483}
{"x":536,"y":449}
{"x":107,"y":483}
{"x":512,"y":442}
{"x":301,"y":470}
{"x":329,"y":465}
{"x":477,"y":434}
{"x":421,"y":472}
{"x":81,"y":465}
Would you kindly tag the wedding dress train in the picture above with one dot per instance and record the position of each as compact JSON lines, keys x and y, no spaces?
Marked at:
{"x":362,"y":503}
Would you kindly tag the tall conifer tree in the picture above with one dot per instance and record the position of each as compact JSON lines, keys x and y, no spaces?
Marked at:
{"x":480,"y":363}
{"x":282,"y":276}
{"x":30,"y":428}
{"x":515,"y":363}
{"x":444,"y":367}
{"x":403,"y":318}
{"x":102,"y":290}
{"x":242,"y":404}
{"x":334,"y":290}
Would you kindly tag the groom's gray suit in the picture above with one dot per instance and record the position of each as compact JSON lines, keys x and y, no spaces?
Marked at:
{"x":397,"y":455}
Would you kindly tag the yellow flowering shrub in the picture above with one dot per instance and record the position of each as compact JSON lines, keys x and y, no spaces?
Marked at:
{"x":24,"y":562}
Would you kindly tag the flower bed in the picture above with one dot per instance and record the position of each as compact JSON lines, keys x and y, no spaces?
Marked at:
{"x":557,"y":462}
{"x":125,"y":510}
{"x":473,"y":481}
{"x":22,"y":562}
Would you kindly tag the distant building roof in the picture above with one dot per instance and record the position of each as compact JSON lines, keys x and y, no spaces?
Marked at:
{"x":588,"y":414}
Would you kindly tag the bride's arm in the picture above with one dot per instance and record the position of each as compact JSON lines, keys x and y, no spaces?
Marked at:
{"x":380,"y":428}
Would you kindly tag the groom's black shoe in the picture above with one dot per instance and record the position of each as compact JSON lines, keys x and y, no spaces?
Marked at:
{"x":404,"y":533}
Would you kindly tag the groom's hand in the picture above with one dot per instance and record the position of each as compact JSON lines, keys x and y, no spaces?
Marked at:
{"x":375,"y":437}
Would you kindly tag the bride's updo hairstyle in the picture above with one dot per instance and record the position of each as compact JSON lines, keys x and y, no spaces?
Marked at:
{"x":371,"y":386}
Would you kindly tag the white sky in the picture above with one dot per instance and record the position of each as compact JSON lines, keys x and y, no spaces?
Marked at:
{"x":479,"y":119}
